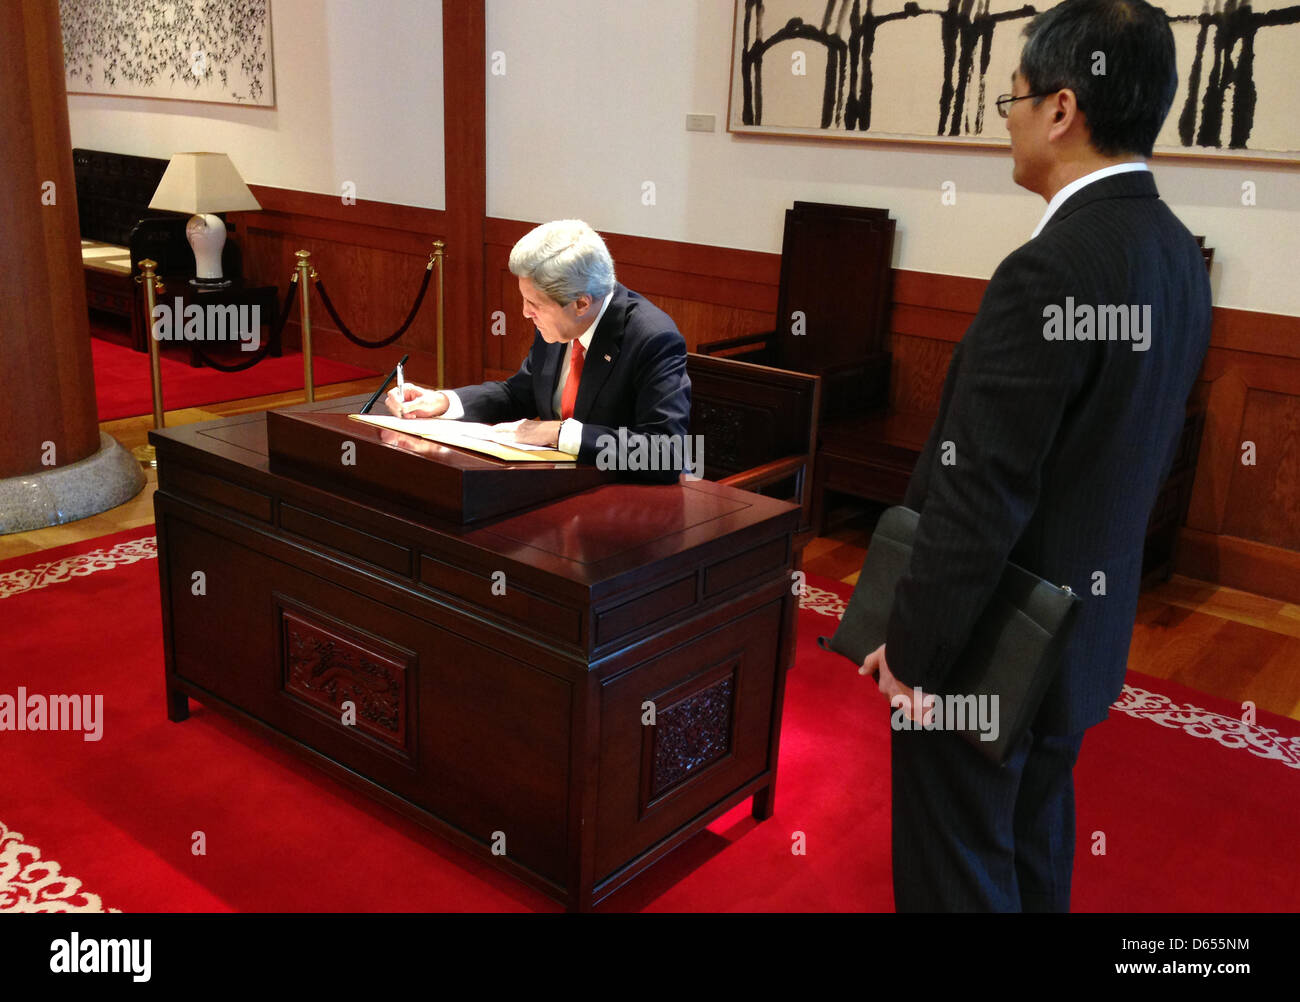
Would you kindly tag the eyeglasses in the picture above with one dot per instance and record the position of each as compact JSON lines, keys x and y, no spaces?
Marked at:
{"x":1006,"y":100}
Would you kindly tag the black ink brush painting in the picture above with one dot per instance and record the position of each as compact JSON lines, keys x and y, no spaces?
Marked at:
{"x":888,"y":69}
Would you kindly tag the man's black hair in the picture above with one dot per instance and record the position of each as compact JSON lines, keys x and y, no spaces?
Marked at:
{"x":1126,"y":105}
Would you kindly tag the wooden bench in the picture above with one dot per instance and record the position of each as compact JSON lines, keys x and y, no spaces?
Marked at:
{"x":113,"y":194}
{"x":871,"y":457}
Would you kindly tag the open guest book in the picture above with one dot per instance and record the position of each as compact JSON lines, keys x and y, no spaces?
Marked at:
{"x":490,"y":439}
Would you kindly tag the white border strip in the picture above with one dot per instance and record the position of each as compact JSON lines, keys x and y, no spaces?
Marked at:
{"x":76,"y":566}
{"x":31,"y":884}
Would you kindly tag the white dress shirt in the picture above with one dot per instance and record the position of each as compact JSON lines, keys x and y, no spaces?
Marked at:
{"x":1059,"y":198}
{"x":570,"y":430}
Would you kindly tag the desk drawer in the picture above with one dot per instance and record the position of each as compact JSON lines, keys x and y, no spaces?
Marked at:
{"x":206,"y":487}
{"x":345,"y":539}
{"x":483,"y":590}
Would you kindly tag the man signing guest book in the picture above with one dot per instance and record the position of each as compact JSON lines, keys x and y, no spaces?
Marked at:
{"x":1058,"y":423}
{"x":604,"y":359}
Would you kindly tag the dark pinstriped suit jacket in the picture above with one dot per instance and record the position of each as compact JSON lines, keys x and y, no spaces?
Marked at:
{"x":1060,"y":446}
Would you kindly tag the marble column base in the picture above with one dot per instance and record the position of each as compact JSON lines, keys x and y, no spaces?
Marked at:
{"x":105,"y":480}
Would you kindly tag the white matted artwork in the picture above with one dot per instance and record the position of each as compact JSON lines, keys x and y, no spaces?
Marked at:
{"x":185,"y":50}
{"x":931,"y":72}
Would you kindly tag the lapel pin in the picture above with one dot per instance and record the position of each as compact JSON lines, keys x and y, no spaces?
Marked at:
{"x":607,"y":358}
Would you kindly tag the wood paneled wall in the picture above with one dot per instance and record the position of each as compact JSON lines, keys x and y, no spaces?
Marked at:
{"x":1244,"y":525}
{"x":1243,"y":528}
{"x":371,"y":258}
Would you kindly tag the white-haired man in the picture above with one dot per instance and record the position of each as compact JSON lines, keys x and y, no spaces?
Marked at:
{"x":603,"y":357}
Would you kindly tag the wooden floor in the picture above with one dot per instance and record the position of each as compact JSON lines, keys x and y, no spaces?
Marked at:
{"x":1219,"y":641}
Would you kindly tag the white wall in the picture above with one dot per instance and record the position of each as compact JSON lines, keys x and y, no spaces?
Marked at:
{"x":358,"y":91}
{"x":593,"y":103}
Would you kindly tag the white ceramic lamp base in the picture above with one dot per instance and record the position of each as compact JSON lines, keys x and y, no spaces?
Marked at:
{"x":207,"y":236}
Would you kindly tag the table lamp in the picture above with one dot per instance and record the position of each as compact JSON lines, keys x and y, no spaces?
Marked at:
{"x":203,"y":184}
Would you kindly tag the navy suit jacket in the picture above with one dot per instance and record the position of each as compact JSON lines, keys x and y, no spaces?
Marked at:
{"x":1058,"y":448}
{"x":633,"y":377}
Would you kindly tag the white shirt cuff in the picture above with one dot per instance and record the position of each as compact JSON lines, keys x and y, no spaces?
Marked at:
{"x":455,"y":409}
{"x":570,"y":437}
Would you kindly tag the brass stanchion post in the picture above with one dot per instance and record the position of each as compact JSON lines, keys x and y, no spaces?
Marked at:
{"x":146,"y":454}
{"x":305,"y":271}
{"x":439,"y":252}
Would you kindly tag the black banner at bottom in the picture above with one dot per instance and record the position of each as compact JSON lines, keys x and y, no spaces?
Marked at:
{"x":202,"y":952}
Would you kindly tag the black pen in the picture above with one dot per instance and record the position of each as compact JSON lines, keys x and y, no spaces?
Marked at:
{"x":379,"y":392}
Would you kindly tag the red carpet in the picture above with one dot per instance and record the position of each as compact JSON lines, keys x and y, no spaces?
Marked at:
{"x":1196,"y":817}
{"x":122,"y":386}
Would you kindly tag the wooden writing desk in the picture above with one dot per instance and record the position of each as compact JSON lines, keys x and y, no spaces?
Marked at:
{"x":511,"y":719}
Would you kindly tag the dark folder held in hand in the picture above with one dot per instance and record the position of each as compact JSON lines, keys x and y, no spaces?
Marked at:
{"x":996,"y":685}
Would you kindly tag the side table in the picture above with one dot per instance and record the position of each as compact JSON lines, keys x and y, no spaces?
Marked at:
{"x":265,"y":297}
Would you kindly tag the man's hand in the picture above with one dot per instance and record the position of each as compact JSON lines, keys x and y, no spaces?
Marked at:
{"x":416,"y":403}
{"x":899,"y":694}
{"x":534,"y":432}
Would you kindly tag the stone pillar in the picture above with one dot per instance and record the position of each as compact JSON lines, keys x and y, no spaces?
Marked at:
{"x":54,"y":464}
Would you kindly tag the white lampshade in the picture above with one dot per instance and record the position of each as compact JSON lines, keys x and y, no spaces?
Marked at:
{"x":202,"y":183}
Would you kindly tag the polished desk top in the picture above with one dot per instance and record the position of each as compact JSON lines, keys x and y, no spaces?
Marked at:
{"x":591,"y":539}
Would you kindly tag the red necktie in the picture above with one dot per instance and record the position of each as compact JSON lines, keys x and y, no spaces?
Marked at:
{"x":570,"y":395}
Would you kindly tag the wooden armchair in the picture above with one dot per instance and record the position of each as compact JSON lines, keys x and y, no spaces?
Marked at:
{"x":759,"y":426}
{"x":832,"y":306}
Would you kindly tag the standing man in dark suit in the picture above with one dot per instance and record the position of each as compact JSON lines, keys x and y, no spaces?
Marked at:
{"x":1057,"y":426}
{"x":603,"y":359}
